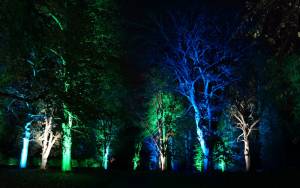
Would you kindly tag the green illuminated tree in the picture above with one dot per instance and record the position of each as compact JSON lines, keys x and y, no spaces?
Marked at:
{"x":63,"y":53}
{"x":106,"y":133}
{"x":136,"y":158}
{"x":226,"y":149}
{"x":85,"y":45}
{"x":164,"y":109}
{"x":198,"y":158}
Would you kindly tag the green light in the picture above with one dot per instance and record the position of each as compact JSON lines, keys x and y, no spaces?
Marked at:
{"x":164,"y":109}
{"x":222,"y":165}
{"x":57,"y":21}
{"x":198,"y":158}
{"x":67,"y":141}
{"x":12,"y":162}
{"x":221,"y":155}
{"x":57,"y":54}
{"x":136,"y":158}
{"x":292,"y":70}
{"x":67,"y":144}
{"x":105,"y":134}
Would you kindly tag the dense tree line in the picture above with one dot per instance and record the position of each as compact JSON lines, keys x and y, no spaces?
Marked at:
{"x":169,"y":87}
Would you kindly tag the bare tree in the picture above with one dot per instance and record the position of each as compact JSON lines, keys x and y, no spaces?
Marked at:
{"x":46,"y":138}
{"x":200,"y":53}
{"x":244,"y":115}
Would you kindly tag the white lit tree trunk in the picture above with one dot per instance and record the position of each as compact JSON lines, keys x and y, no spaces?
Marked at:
{"x":243,"y":114}
{"x":163,"y":164}
{"x":163,"y":145}
{"x":247,"y":154}
{"x":46,"y":138}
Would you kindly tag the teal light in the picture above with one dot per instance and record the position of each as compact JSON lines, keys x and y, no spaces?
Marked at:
{"x":24,"y":153}
{"x":105,"y":157}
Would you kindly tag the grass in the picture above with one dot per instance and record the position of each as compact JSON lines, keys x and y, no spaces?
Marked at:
{"x":95,"y":178}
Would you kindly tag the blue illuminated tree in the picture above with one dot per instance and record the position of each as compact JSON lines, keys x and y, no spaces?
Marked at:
{"x":199,"y":50}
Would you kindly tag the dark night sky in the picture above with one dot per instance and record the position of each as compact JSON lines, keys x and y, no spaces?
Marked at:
{"x":137,"y":12}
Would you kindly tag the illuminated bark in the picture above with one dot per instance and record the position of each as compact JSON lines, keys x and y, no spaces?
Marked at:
{"x":105,"y":156}
{"x":136,"y":158}
{"x":46,"y":138}
{"x":24,"y":153}
{"x":163,"y":112}
{"x":67,"y":142}
{"x":26,"y":139}
{"x":199,"y":131}
{"x":247,"y":154}
{"x":198,"y":50}
{"x":104,"y":137}
{"x":243,"y":114}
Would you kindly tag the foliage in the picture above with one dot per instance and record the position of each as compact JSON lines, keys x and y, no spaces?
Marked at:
{"x":105,"y":134}
{"x":221,"y":156}
{"x":276,"y":22}
{"x":292,"y":71}
{"x":136,"y":159}
{"x":164,"y":109}
{"x":198,"y":158}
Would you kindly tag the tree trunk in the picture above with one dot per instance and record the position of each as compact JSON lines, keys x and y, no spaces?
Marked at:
{"x":203,"y":144}
{"x":171,"y":153}
{"x":188,"y":148}
{"x":44,"y":163}
{"x":200,"y":133}
{"x":105,"y":157}
{"x":66,"y":146}
{"x":247,"y":154}
{"x":163,"y":164}
{"x":24,"y":153}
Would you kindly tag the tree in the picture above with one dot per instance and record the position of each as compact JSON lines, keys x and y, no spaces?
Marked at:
{"x":227,"y":154}
{"x":164,"y":109}
{"x":276,"y":22}
{"x":27,"y":137}
{"x":136,"y":158}
{"x":105,"y":132}
{"x":199,"y":50}
{"x":45,"y":136}
{"x":85,"y":47}
{"x":244,"y":115}
{"x":63,"y":53}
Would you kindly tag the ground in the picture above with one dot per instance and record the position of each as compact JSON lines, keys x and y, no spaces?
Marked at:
{"x":86,"y":178}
